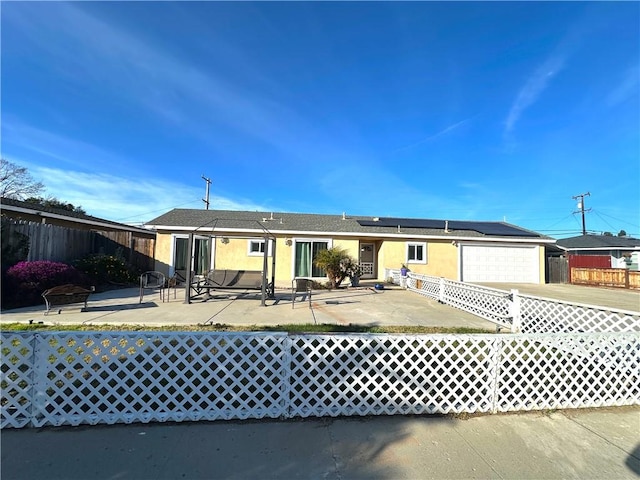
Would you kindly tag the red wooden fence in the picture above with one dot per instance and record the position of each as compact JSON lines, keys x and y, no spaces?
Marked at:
{"x":588,"y":261}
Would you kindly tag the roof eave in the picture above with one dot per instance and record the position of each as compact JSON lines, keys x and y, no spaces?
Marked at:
{"x":296,"y":233}
{"x":44,"y":214}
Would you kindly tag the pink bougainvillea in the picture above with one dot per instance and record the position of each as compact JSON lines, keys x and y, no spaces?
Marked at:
{"x":41,"y":272}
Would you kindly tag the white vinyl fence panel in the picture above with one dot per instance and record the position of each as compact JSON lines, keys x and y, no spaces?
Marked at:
{"x":519,"y":312}
{"x":73,"y":378}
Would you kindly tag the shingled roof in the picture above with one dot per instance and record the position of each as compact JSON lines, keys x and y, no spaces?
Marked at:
{"x":296,"y":223}
{"x":19,"y":206}
{"x":599,"y":242}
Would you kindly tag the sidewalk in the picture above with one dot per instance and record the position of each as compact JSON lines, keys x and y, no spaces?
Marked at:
{"x":578,"y":444}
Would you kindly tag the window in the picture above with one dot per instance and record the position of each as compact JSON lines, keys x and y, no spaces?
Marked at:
{"x":416,"y":253}
{"x":256,"y":248}
{"x":306,"y":251}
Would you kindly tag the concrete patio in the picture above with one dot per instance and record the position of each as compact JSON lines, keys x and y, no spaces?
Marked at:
{"x":364,"y":306}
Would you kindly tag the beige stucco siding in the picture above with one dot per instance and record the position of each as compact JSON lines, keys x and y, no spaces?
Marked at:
{"x":442,"y":255}
{"x":164,"y":244}
{"x":442,"y":258}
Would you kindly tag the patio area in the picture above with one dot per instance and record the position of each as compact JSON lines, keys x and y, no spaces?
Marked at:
{"x":363,"y":306}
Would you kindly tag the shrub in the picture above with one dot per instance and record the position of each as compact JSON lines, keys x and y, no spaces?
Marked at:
{"x":107,"y":269}
{"x":25,"y":281}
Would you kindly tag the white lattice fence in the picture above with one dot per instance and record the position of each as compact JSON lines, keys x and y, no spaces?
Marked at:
{"x":16,"y":380}
{"x":424,"y":285}
{"x":68,"y":378}
{"x":544,"y":315}
{"x":135,"y":377}
{"x":524,"y":312}
{"x":488,"y":303}
{"x":540,"y":372}
{"x":335,"y":375}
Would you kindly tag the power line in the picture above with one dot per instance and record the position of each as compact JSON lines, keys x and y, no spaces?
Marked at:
{"x":626,"y":222}
{"x":155,"y":211}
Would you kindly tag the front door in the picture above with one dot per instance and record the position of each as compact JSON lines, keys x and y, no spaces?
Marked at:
{"x":367,"y":260}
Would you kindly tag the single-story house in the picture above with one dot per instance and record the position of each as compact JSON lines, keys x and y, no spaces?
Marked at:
{"x":624,"y":251}
{"x":458,"y":250}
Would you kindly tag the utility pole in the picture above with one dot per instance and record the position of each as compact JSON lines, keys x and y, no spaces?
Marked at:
{"x":206,"y":199}
{"x":581,"y":209}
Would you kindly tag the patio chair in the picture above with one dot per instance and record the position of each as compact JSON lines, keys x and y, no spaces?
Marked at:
{"x":298,"y":285}
{"x":152,"y":281}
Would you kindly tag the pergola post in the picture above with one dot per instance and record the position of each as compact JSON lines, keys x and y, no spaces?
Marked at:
{"x":265,"y":265}
{"x":187,"y":283}
{"x":273,"y":268}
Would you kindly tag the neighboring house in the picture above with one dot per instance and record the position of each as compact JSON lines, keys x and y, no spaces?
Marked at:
{"x":459,"y":250}
{"x":624,"y":251}
{"x":97,"y":235}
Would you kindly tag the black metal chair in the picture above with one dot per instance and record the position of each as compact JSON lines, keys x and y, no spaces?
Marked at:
{"x":301,"y":285}
{"x":152,"y":281}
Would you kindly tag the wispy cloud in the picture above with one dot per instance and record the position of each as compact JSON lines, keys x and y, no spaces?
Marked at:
{"x":124,"y":199}
{"x":48,"y":146}
{"x":627,"y":87}
{"x":126,"y":66}
{"x":437,"y":135}
{"x":136,"y":195}
{"x":533,"y":88}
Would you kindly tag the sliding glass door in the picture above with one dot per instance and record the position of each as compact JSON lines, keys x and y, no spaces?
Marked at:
{"x":201,"y":256}
{"x":306,"y":251}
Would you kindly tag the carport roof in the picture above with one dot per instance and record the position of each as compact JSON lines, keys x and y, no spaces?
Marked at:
{"x":292,"y":223}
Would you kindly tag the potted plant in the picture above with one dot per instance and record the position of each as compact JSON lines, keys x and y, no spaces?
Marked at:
{"x":354,"y":272}
{"x":404,"y":270}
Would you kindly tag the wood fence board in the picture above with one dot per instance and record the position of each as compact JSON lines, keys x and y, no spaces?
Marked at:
{"x":607,"y":277}
{"x":63,"y":244}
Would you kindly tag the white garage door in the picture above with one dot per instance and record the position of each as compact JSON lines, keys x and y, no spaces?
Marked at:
{"x":482,"y":263}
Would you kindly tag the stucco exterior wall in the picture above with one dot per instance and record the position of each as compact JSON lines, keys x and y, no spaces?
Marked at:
{"x":543,"y":265}
{"x":163,"y":252}
{"x":442,"y":258}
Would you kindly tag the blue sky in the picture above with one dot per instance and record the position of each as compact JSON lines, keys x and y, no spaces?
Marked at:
{"x":480,"y":111}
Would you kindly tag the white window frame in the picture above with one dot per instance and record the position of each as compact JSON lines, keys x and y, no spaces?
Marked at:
{"x":329,"y":242}
{"x":174,"y":236}
{"x":259,"y":253}
{"x":422,"y":261}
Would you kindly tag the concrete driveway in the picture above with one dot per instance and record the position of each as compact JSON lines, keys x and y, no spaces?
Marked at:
{"x":601,"y":296}
{"x":392,"y":306}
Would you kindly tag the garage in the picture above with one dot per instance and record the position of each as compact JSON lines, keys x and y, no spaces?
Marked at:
{"x":500,"y":263}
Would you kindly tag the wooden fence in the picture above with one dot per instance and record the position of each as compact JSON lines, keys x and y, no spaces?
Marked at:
{"x":608,"y":277}
{"x":63,"y":244}
{"x":557,"y":270}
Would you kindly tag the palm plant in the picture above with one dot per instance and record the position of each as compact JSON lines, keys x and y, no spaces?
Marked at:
{"x":335,"y":262}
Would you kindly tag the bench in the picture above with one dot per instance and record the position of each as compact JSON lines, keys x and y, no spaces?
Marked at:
{"x":229,"y":280}
{"x":66,"y":295}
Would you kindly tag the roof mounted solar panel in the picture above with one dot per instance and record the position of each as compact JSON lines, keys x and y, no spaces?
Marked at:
{"x":485,"y":228}
{"x":403,"y":223}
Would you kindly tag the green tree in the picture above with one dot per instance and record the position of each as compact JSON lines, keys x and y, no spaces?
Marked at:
{"x":53,"y":202}
{"x":15,"y":246}
{"x":16,"y":181}
{"x":337,"y":263}
{"x":622,"y":233}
